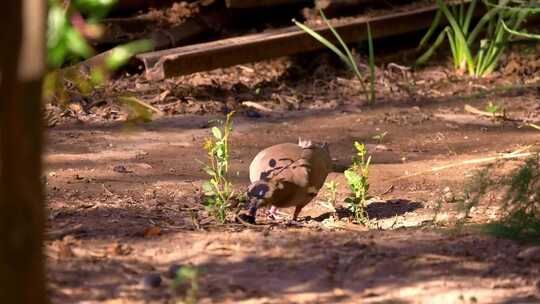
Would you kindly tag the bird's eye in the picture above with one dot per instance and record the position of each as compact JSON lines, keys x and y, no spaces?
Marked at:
{"x":258,"y":191}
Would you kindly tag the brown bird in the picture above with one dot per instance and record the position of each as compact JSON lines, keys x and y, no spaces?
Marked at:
{"x":287,"y":175}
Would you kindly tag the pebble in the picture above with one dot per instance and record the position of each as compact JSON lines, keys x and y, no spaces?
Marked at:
{"x":152,"y":280}
{"x":253,"y":114}
{"x":530,"y":254}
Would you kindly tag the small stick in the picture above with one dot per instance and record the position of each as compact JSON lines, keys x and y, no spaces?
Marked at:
{"x":476,"y":111}
{"x":244,"y":222}
{"x":511,"y":155}
{"x":388,"y":190}
{"x":257,"y":106}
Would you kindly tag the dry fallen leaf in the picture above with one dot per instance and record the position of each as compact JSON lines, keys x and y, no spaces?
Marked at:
{"x":119,"y":249}
{"x":152,"y":231}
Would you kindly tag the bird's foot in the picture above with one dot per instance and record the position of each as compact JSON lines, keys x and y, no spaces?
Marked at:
{"x":294,"y":223}
{"x":273,"y":215}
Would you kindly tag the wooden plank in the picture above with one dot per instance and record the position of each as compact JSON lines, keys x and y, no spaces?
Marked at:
{"x":182,"y":34}
{"x":262,"y":3}
{"x":272,"y":44}
{"x":342,"y":8}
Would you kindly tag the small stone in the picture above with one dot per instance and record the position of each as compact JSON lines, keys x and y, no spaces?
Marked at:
{"x":530,"y":254}
{"x":448,"y":195}
{"x":253,"y":114}
{"x":152,"y":280}
{"x":173,"y":270}
{"x":121,"y":169}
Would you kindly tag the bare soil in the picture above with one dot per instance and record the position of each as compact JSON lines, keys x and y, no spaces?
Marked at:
{"x":124,"y":199}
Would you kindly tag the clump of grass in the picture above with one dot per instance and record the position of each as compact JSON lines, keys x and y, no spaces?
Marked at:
{"x":519,"y":198}
{"x":190,"y":276}
{"x":218,"y":190}
{"x":463,"y":38}
{"x":357,"y":178}
{"x":330,"y":197}
{"x":346,"y":55}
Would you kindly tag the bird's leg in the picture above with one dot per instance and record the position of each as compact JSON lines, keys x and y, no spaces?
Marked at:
{"x":272,"y":213}
{"x":293,"y":221}
{"x":297,"y":212}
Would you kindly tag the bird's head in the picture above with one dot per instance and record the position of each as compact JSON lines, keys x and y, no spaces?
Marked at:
{"x":260,"y":193}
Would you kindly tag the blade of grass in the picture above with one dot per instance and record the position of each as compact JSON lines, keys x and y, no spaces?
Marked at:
{"x":460,"y":38}
{"x":462,"y":14}
{"x":433,"y":47}
{"x":352,"y":61}
{"x":519,"y":8}
{"x":453,"y":49}
{"x":431,"y":30}
{"x":469,"y":16}
{"x":324,"y":41}
{"x":482,"y":22}
{"x":518,"y":33}
{"x":371,"y":65}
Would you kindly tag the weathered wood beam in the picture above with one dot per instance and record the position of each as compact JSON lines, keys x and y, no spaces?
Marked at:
{"x":262,"y":3}
{"x":272,"y":44}
{"x":182,"y":34}
{"x":348,"y":7}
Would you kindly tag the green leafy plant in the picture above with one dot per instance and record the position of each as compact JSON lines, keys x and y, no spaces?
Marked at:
{"x":67,"y":34}
{"x":380,"y":137}
{"x":463,"y":38}
{"x":357,"y":178}
{"x":346,"y":55}
{"x":518,"y":194}
{"x":218,"y":190}
{"x":330,"y":196}
{"x":494,"y":108}
{"x":190,"y":276}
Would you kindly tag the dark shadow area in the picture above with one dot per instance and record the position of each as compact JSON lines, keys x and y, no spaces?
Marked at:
{"x":391,"y":208}
{"x":102,"y":222}
{"x":376,"y":210}
{"x":521,"y":300}
{"x":275,"y":265}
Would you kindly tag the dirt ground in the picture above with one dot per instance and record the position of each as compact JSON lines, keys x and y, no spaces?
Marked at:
{"x":123,"y":200}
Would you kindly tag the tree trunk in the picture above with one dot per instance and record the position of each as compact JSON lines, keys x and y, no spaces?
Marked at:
{"x":22,"y":275}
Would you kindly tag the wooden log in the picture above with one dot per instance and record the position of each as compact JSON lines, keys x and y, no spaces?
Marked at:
{"x":282,"y":42}
{"x":345,"y":7}
{"x":243,"y":4}
{"x":134,"y":5}
{"x":181,"y":34}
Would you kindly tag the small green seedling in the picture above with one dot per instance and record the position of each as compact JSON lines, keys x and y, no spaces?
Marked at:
{"x":330,"y":197}
{"x":190,"y":276}
{"x":380,"y":137}
{"x":218,"y":190}
{"x":493,"y":108}
{"x":357,"y":178}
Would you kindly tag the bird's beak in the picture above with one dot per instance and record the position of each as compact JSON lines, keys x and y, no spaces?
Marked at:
{"x":253,"y":205}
